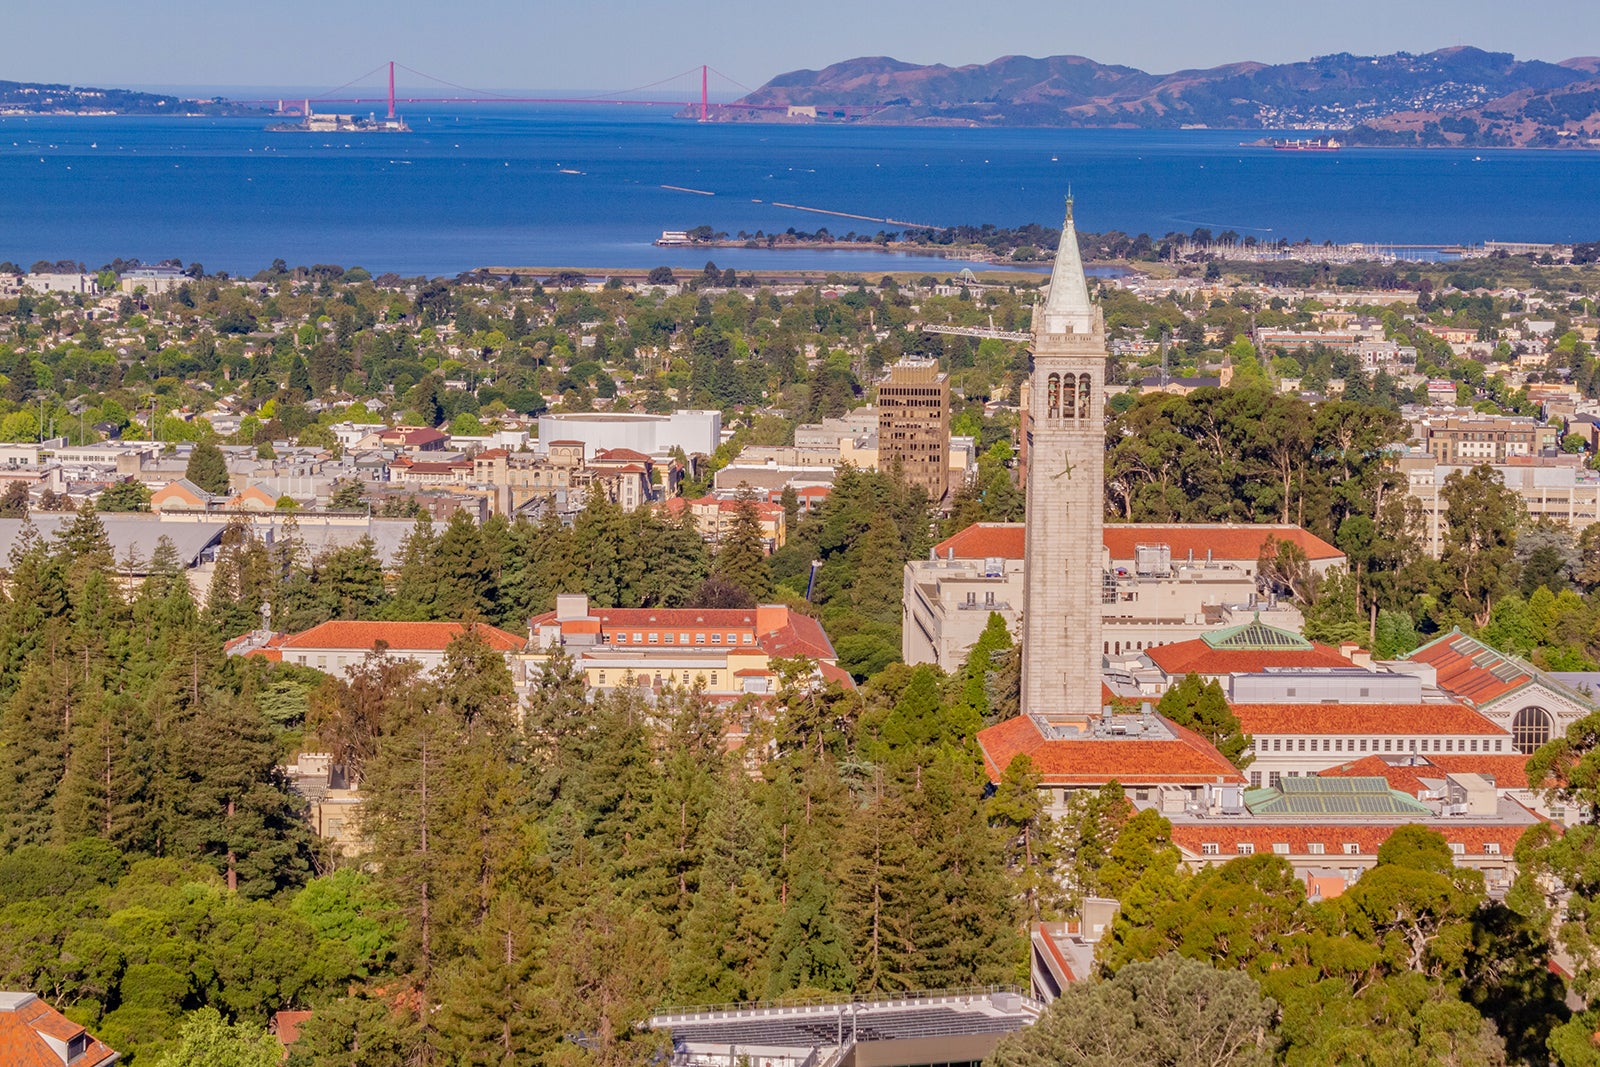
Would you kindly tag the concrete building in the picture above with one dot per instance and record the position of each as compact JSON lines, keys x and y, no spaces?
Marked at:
{"x":914,"y":425}
{"x":1162,"y":583}
{"x":1556,"y":489}
{"x":1062,"y":572}
{"x":696,"y":432}
{"x":86,"y":284}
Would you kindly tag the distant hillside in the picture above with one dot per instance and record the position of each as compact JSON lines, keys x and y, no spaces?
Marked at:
{"x":38,"y":98}
{"x":1376,"y":97}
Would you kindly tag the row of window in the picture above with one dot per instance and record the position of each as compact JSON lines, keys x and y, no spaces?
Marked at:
{"x":1317,"y":848}
{"x":1277,"y":744}
{"x":656,"y":637}
{"x":600,"y":678}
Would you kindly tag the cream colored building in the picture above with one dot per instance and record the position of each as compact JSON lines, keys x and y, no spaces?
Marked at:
{"x":1162,"y":584}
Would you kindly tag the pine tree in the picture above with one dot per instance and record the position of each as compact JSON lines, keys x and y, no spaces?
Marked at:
{"x":208,"y":469}
{"x":299,"y":384}
{"x":465,"y":571}
{"x":350,"y":581}
{"x":741,"y":561}
{"x":231,"y":804}
{"x":809,"y":950}
{"x":417,"y":587}
{"x":34,"y":737}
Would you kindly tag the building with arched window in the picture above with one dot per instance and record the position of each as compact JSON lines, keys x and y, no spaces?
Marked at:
{"x":1530,"y":704}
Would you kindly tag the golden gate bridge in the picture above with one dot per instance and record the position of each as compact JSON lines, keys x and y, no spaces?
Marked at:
{"x":706,"y":108}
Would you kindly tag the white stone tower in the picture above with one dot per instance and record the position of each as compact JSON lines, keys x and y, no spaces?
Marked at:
{"x":1062,"y":571}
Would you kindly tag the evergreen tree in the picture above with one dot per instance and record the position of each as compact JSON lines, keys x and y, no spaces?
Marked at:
{"x":208,"y":469}
{"x":1201,"y":706}
{"x":465,"y":571}
{"x":741,"y":561}
{"x":417,"y":588}
{"x":350,"y":581}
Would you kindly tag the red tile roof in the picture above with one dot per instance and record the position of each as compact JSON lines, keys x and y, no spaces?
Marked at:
{"x":1228,"y":836}
{"x":1224,"y":540}
{"x":1188,"y":760}
{"x":1197,"y":657}
{"x":22,"y":1043}
{"x":1363,"y":719}
{"x":1470,"y":670}
{"x":620,"y":455}
{"x":400,"y":636}
{"x":286,"y":1024}
{"x":1508,"y":772}
{"x":795,"y":634}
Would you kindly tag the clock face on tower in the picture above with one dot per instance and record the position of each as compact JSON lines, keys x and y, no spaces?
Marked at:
{"x":1066,"y":468}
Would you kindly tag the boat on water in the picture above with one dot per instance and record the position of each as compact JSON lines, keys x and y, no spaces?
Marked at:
{"x":1316,"y":144}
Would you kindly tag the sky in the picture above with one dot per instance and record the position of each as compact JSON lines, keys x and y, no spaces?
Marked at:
{"x":617,"y":44}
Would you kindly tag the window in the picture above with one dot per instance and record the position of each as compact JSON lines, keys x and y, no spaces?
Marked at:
{"x":600,"y":678}
{"x":716,"y":639}
{"x":749,"y":639}
{"x":1363,"y":744}
{"x":733,"y":639}
{"x":666,"y":639}
{"x":1474,"y":744}
{"x":1388,"y":744}
{"x":1491,"y":848}
{"x":683,"y":639}
{"x":1316,"y":848}
{"x":1302,"y":744}
{"x":1530,"y":728}
{"x":1338,"y":746}
{"x":1413,"y":744}
{"x":1208,"y":848}
{"x":1497,"y":744}
{"x":655,"y":638}
{"x":1363,"y":690}
{"x":1450,"y":745}
{"x":1273,"y":778}
{"x":972,"y":599}
{"x":699,"y":639}
{"x":713,"y":679}
{"x":685,"y":677}
{"x":1289,"y":691}
{"x":1245,"y":848}
{"x":1277,"y":744}
{"x":1457,"y":848}
{"x":1280,"y":848}
{"x":1255,"y":779}
{"x":638,"y":639}
{"x":1352,"y":849}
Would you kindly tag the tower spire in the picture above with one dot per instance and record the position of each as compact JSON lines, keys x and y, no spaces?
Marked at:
{"x":1067,"y":309}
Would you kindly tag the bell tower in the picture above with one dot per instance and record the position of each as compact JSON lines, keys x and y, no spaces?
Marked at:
{"x":1063,"y":569}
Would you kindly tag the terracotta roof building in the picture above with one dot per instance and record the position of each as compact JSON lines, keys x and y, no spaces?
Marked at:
{"x":1153,"y":758}
{"x":1330,"y":829}
{"x":333,"y":647}
{"x":1243,"y":649}
{"x":1160,"y":584}
{"x":729,"y":652}
{"x":33,"y":1034}
{"x":1526,"y":702}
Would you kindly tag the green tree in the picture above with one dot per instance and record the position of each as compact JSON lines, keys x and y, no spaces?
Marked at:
{"x":128,"y":495}
{"x":1170,"y":1011}
{"x":741,"y":561}
{"x":1201,"y":706}
{"x":208,"y":469}
{"x":206,"y":1039}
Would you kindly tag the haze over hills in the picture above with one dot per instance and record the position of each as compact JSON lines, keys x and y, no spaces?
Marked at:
{"x":1457,"y":95}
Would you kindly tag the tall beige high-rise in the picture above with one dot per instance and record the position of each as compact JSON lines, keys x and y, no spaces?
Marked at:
{"x":1062,"y":571}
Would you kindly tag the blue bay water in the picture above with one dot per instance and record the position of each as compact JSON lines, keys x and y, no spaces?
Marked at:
{"x":491,"y":186}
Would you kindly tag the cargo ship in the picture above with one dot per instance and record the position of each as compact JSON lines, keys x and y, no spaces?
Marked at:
{"x":1320,"y":144}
